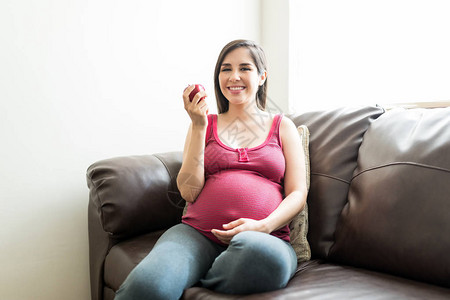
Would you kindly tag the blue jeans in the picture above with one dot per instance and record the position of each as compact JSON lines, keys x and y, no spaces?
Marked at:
{"x":254,"y":262}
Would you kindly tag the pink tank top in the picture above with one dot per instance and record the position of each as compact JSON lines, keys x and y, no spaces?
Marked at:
{"x":239,"y":183}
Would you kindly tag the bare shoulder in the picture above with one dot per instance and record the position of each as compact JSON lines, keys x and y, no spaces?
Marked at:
{"x":288,"y":130}
{"x":286,"y":122}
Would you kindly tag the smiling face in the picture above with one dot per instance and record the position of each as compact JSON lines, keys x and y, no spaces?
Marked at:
{"x":239,"y":78}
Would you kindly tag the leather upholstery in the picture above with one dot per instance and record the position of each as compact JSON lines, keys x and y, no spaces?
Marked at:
{"x":317,"y":280}
{"x":123,"y":188}
{"x":335,"y":137}
{"x":397,"y":218}
{"x":393,"y":219}
{"x":129,"y":196}
{"x":126,"y":255}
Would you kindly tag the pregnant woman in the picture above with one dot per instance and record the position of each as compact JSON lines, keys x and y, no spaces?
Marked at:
{"x":243,"y":175}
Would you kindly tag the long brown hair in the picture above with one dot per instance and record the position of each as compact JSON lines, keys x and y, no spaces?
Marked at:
{"x":259,"y":58}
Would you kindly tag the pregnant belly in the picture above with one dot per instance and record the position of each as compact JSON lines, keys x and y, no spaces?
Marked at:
{"x":231,"y":195}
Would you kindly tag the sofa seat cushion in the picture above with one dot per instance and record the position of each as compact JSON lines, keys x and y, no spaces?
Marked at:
{"x":123,"y":257}
{"x":318,"y":280}
{"x":314,"y":279}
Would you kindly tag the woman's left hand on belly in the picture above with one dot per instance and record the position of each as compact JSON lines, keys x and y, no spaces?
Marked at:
{"x":239,"y":225}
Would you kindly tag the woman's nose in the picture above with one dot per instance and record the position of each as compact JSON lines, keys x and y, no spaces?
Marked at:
{"x":234,"y":76}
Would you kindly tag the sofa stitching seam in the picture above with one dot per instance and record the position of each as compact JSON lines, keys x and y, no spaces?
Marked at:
{"x":330,"y":176}
{"x":407,"y":163}
{"x":164,"y":164}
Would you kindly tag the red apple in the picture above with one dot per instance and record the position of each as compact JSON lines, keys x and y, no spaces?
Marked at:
{"x":198,"y":88}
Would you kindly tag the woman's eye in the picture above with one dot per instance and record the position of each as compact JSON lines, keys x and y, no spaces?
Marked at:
{"x":242,"y":69}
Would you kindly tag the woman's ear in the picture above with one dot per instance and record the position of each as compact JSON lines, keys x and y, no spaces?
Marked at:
{"x":262,"y":78}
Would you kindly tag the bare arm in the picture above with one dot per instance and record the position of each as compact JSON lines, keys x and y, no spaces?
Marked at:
{"x":191,"y":177}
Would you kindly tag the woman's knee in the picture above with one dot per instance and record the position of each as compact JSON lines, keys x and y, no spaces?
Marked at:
{"x":264,"y":250}
{"x":254,"y":262}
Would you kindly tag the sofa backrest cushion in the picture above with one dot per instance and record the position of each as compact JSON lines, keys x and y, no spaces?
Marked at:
{"x":136,"y":194}
{"x":397,"y":218}
{"x":335,"y":137}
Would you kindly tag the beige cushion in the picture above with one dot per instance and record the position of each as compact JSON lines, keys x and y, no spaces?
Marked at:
{"x":299,"y":225}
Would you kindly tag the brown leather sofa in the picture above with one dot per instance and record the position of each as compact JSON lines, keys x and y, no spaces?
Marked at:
{"x":379,"y":209}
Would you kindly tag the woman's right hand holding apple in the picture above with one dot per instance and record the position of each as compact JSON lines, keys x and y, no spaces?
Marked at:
{"x":197,"y":108}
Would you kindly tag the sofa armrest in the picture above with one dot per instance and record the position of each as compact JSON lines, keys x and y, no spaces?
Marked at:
{"x":136,"y":194}
{"x":129,"y":196}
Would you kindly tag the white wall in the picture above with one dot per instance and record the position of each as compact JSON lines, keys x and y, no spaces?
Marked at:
{"x":82,"y":81}
{"x":353,"y":52}
{"x":275,"y":41}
